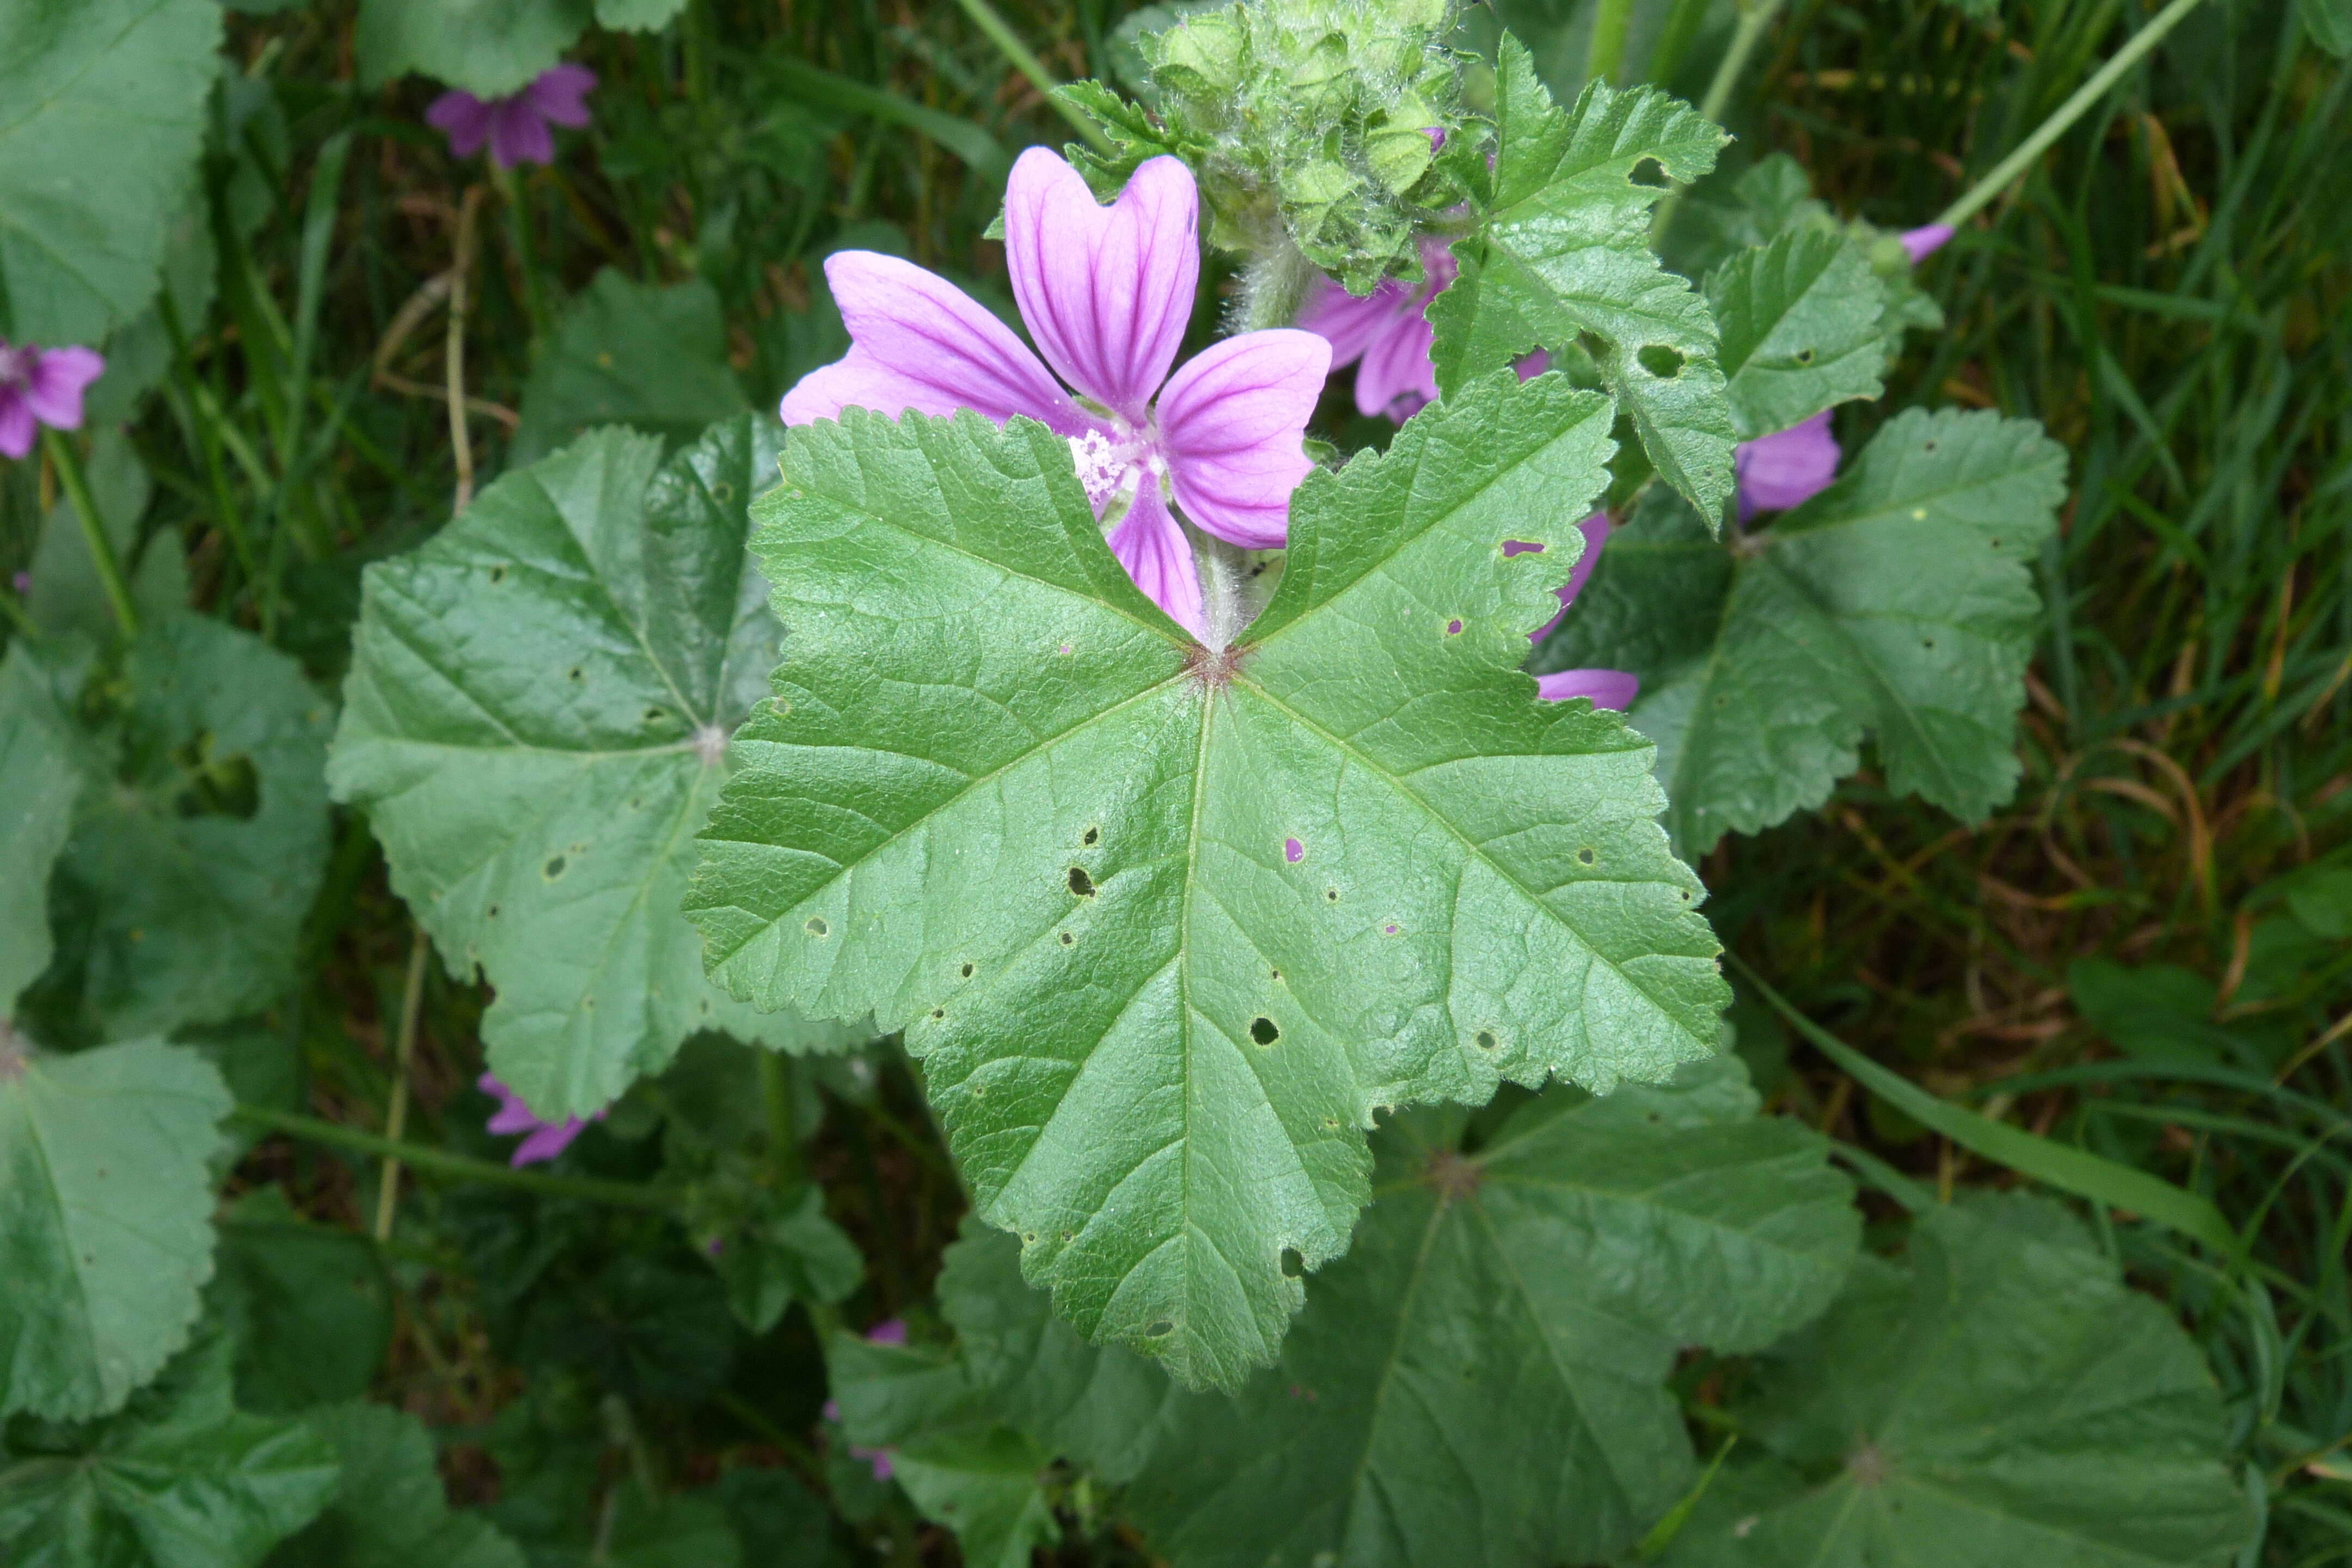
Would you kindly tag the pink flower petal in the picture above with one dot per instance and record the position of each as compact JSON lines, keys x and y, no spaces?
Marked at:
{"x":1530,"y":366}
{"x":1919,"y":244}
{"x":1232,"y":421}
{"x":1152,"y":547}
{"x":1595,"y":530}
{"x":1398,"y":377}
{"x":560,"y":94}
{"x":921,"y":342}
{"x":16,"y":424}
{"x":1349,"y":324}
{"x":1785,"y":469}
{"x":547,"y":1143}
{"x":464,"y":118}
{"x":1606,"y":688}
{"x":518,"y":134}
{"x":1106,"y":291}
{"x":888,"y":1331}
{"x":53,"y":391}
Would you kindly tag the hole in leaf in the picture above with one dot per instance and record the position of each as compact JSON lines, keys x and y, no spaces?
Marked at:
{"x":1486,"y":1038}
{"x":1332,"y":894}
{"x":1804,"y":356}
{"x":1293,"y":850}
{"x":1648,"y":172}
{"x":1928,"y":445}
{"x":1067,"y":939}
{"x":573,"y":674}
{"x":1265,"y":1031}
{"x":498,"y":573}
{"x":816,"y":926}
{"x":655,"y":715}
{"x":722,"y":493}
{"x":1660,"y":361}
{"x":1293,"y":1263}
{"x":1090,"y":837}
{"x":1390,"y":929}
{"x":1080,"y":883}
{"x":967,"y":972}
{"x":554,"y":868}
{"x":214,"y":785}
{"x":492,"y":911}
{"x":1454,"y":628}
{"x":939,"y":1012}
{"x":1160,"y":1330}
{"x":1275,"y":973}
{"x":1520,"y":547}
{"x":1585,"y":856}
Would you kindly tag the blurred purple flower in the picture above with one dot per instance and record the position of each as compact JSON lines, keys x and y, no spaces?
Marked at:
{"x":542,"y":1140}
{"x":1606,"y":688}
{"x":515,"y":127}
{"x":1388,"y":330}
{"x":1107,"y":293}
{"x":1785,"y":469}
{"x":890,"y":1332}
{"x":41,"y":386}
{"x":1919,"y":244}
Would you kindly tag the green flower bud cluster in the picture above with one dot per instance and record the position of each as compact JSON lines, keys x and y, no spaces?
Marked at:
{"x":1330,"y":128}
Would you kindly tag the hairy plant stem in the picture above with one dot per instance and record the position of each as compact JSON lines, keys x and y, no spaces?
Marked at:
{"x":620,"y":1194}
{"x":2008,"y":168}
{"x":395,"y":1116}
{"x":1008,"y":43}
{"x":1275,"y":286}
{"x":93,"y":528}
{"x":1225,"y":577}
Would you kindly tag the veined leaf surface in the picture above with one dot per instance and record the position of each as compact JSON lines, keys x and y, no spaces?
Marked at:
{"x":1802,"y":330}
{"x":1166,"y":926}
{"x":1898,"y":603}
{"x":40,"y":778}
{"x":536,"y":720}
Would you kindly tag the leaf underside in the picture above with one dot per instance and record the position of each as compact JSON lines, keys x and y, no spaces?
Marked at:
{"x":535,"y":719}
{"x":2004,"y":1399}
{"x":1899,"y":603}
{"x":1562,"y":250}
{"x":1165,"y":929}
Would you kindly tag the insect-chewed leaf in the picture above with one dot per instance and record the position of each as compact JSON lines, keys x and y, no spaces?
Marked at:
{"x":106,"y":1204}
{"x":1560,"y":248}
{"x":2004,"y":1399}
{"x":1165,"y":926}
{"x":1897,"y":603}
{"x":1482,"y":1381}
{"x":1801,"y":329}
{"x":40,"y":778}
{"x":101,"y":116}
{"x":536,"y":720}
{"x":182,"y":891}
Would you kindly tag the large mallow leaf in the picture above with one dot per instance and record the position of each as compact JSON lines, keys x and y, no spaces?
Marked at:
{"x":41,"y":776}
{"x":181,"y":891}
{"x":180,"y":1478}
{"x":1164,"y":925}
{"x":1803,"y":329}
{"x":101,"y":117}
{"x":106,"y":1235}
{"x":1559,"y":248}
{"x":536,"y":720}
{"x":491,"y":47}
{"x":2003,"y":1399}
{"x":1482,"y":1382}
{"x":1899,"y":604}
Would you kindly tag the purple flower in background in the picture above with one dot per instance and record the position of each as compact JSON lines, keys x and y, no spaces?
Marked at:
{"x":515,"y":127}
{"x":41,"y":386}
{"x":1389,"y":331}
{"x":1106,"y":292}
{"x":542,"y":1140}
{"x":1919,"y":244}
{"x":1607,"y":687}
{"x":1785,"y":469}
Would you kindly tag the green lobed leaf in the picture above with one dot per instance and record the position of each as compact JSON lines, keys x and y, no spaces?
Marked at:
{"x":1801,"y":329}
{"x":536,"y":721}
{"x":1560,"y":248}
{"x":489,"y":48}
{"x":1899,"y":602}
{"x":1483,"y":1380}
{"x":785,"y":1251}
{"x":984,"y":1486}
{"x":67,"y":597}
{"x":2004,"y":1399}
{"x":106,"y":1204}
{"x":309,"y":1308}
{"x":180,"y":1478}
{"x":182,"y":892}
{"x":40,"y":778}
{"x":1004,"y":804}
{"x":389,"y":1510}
{"x":626,"y":353}
{"x":101,"y":118}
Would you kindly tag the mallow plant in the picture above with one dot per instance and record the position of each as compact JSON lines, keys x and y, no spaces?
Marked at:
{"x":1277,"y":862}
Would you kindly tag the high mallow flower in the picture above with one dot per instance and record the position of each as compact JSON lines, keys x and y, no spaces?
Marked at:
{"x":1606,"y":688}
{"x":1388,"y":330}
{"x":516,"y":127}
{"x":41,"y":386}
{"x":1105,"y":291}
{"x":542,"y":1140}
